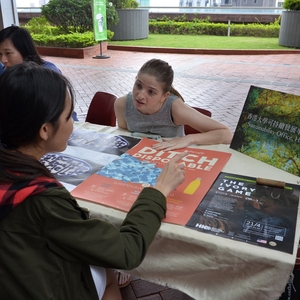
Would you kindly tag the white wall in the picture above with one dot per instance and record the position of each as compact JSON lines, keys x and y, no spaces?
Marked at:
{"x":31,"y":3}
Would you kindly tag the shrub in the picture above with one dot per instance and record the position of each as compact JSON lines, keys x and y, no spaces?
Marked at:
{"x":112,"y":16}
{"x":40,"y":25}
{"x":124,"y":3}
{"x":76,"y":15}
{"x":75,"y":40}
{"x":205,"y":27}
{"x":69,"y":15}
{"x":291,"y":4}
{"x":45,"y":34}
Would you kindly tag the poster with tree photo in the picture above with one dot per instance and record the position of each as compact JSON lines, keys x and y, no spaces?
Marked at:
{"x":269,"y":129}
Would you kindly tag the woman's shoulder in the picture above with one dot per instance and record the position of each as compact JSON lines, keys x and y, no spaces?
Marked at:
{"x":2,"y":68}
{"x":120,"y":101}
{"x":49,"y":65}
{"x":180,"y":108}
{"x":174,"y":100}
{"x":58,"y":197}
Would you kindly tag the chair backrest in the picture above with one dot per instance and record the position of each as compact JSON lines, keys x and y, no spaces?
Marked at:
{"x":101,"y":110}
{"x":188,"y":129}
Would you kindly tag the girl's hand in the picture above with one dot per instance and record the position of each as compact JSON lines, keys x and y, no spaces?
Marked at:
{"x":172,"y":175}
{"x":176,"y":143}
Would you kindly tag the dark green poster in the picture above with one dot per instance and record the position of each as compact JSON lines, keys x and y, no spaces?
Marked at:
{"x":269,"y":129}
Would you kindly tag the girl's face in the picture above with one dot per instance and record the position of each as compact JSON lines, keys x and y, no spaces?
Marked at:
{"x":148,"y":95}
{"x":9,"y":55}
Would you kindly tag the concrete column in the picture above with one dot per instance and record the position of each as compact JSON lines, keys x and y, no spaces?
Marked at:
{"x":8,"y":13}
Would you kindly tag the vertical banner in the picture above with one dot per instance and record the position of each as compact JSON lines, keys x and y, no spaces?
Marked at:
{"x":99,"y":19}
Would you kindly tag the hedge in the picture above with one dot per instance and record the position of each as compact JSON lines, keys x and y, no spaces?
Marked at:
{"x":208,"y":28}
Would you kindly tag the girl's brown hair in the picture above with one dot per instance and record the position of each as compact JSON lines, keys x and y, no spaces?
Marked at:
{"x":163,"y":73}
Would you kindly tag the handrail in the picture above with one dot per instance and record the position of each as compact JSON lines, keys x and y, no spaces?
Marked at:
{"x":192,"y":9}
{"x":215,"y":9}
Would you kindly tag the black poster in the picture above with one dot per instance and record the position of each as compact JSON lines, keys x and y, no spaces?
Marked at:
{"x":87,"y":152}
{"x":239,"y":209}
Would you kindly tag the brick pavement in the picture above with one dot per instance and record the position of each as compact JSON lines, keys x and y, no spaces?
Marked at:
{"x":219,"y":83}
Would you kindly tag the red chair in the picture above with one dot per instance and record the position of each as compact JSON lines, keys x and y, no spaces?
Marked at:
{"x":188,"y":129}
{"x":101,"y":110}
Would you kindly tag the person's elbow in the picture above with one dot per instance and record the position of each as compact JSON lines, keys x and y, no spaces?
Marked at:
{"x":122,"y":125}
{"x":227,"y":136}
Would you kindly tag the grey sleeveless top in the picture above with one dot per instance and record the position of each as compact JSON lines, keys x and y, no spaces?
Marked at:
{"x":159,"y":123}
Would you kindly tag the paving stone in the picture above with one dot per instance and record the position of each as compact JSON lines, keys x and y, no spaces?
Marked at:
{"x":142,"y":287}
{"x":174,"y":295}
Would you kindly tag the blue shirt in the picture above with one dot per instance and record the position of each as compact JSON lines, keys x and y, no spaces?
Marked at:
{"x":46,"y":64}
{"x":2,"y":68}
{"x":52,"y":66}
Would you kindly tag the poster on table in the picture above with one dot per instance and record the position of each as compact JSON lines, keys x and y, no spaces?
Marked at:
{"x":87,"y":152}
{"x":119,"y":183}
{"x":269,"y":129}
{"x":99,"y":20}
{"x":237,"y":208}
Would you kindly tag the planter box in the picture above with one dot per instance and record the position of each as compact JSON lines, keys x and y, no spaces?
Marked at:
{"x":289,"y":34}
{"x":72,"y":52}
{"x":133,"y":25}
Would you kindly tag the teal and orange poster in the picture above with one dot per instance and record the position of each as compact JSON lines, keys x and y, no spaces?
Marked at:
{"x":269,"y":129}
{"x":119,"y":183}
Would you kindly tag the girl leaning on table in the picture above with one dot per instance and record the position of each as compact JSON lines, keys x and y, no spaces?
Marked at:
{"x":50,"y":247}
{"x":155,"y":107}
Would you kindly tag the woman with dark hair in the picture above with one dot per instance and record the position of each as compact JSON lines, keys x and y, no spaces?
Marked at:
{"x":155,"y":107}
{"x":50,"y":247}
{"x":17,"y":45}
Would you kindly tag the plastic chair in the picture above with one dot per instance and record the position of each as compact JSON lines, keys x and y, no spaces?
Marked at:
{"x":101,"y":110}
{"x":188,"y":129}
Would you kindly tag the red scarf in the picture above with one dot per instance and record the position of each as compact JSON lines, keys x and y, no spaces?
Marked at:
{"x":12,"y":194}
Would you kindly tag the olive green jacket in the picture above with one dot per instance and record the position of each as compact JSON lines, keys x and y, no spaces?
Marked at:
{"x":48,"y":242}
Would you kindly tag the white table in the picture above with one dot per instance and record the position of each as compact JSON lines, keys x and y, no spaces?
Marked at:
{"x":205,"y":266}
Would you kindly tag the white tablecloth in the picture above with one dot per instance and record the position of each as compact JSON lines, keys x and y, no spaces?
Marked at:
{"x":205,"y":266}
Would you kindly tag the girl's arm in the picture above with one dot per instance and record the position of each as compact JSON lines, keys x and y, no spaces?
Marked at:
{"x":119,"y":107}
{"x":211,"y":131}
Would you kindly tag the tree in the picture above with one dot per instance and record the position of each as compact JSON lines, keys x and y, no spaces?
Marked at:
{"x":69,"y":15}
{"x":125,"y":3}
{"x":75,"y":15}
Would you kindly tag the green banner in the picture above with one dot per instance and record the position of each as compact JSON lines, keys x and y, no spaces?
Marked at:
{"x":99,"y":19}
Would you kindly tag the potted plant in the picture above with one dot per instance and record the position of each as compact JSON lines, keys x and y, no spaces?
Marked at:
{"x":133,"y":22}
{"x":290,"y":24}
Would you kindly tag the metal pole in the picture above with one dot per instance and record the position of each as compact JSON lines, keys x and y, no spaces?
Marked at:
{"x":228,"y":31}
{"x":101,"y":56}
